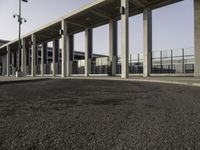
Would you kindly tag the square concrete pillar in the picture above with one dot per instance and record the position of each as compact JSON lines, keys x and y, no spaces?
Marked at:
{"x":197,"y":37}
{"x":147,"y":30}
{"x":64,"y":47}
{"x":43,"y":58}
{"x":4,"y":65}
{"x":28,"y":60}
{"x":124,"y":37}
{"x":88,"y":51}
{"x":113,"y":46}
{"x":13,"y":63}
{"x":23,"y":57}
{"x":8,"y":60}
{"x":55,"y":56}
{"x":33,"y":52}
{"x":70,"y":53}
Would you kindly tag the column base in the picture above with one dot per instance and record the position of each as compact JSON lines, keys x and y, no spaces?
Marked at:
{"x":19,"y":74}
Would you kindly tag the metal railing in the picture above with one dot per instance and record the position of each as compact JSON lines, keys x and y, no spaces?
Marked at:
{"x":173,"y":61}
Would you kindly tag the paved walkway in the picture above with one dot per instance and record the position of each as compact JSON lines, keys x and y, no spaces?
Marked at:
{"x":100,"y":115}
{"x":189,"y":81}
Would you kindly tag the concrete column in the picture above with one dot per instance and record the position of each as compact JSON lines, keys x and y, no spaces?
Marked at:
{"x":55,"y":56}
{"x":28,"y":60}
{"x":124,"y":37}
{"x":33,"y":52}
{"x":197,"y":37}
{"x":4,"y":65}
{"x":147,"y":30}
{"x":113,"y":46}
{"x":43,"y":58}
{"x":88,"y":51}
{"x":70,"y":53}
{"x":13,"y":63}
{"x":36,"y":59}
{"x":64,"y":47}
{"x":23,"y":57}
{"x":8,"y":61}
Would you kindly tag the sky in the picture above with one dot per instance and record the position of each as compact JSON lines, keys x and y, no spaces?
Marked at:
{"x":173,"y":25}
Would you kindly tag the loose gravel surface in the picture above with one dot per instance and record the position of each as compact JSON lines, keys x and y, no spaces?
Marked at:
{"x":98,"y":115}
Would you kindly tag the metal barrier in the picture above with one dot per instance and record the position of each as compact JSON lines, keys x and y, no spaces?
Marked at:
{"x":136,"y":63}
{"x":101,"y":66}
{"x":78,"y":67}
{"x":38,"y":69}
{"x":48,"y":69}
{"x":173,"y":61}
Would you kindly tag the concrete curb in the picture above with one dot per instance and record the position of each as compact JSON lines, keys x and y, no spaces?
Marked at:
{"x":189,"y":83}
{"x":23,"y":81}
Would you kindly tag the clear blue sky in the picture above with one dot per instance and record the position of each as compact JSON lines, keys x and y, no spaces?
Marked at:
{"x":172,"y":25}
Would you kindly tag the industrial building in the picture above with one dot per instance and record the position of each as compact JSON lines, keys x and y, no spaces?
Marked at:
{"x":95,"y":14}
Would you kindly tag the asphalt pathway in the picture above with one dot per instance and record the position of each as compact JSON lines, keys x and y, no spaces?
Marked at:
{"x":98,"y":115}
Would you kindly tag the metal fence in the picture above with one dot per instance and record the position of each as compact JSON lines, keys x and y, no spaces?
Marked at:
{"x":101,"y":66}
{"x":78,"y":67}
{"x":173,"y":61}
{"x":176,"y":61}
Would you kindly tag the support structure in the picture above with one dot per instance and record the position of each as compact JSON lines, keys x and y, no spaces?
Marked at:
{"x":70,"y":53}
{"x":28,"y":62}
{"x":55,"y":56}
{"x":23,"y":57}
{"x":124,"y":37}
{"x":8,"y":61}
{"x":147,"y":30}
{"x":43,"y":58}
{"x":88,"y":51}
{"x":197,"y":37}
{"x":64,"y":47}
{"x":4,"y":65}
{"x":13,"y":54}
{"x":113,"y":46}
{"x":33,"y":50}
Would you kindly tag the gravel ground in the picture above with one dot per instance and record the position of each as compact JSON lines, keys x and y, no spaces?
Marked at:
{"x":98,"y":115}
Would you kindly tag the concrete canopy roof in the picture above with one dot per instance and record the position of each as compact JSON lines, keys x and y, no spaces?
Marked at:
{"x":95,"y":14}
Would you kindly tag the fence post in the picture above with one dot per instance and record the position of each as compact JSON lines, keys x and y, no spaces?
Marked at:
{"x":161,"y":66}
{"x":151,"y":53}
{"x":183,"y":60}
{"x":171,"y":61}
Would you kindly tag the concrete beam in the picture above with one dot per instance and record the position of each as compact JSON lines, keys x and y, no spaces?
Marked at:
{"x":101,"y":14}
{"x":147,"y":30}
{"x":64,"y":47}
{"x":33,"y":51}
{"x":125,"y":37}
{"x":138,"y":3}
{"x":88,"y":50}
{"x":113,"y":46}
{"x":197,"y":36}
